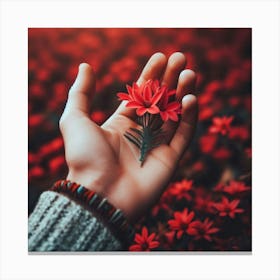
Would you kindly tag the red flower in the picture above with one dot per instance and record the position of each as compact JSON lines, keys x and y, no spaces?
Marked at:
{"x":219,"y":187}
{"x":203,"y":200}
{"x":181,"y":222}
{"x":180,"y":189}
{"x":152,"y":98}
{"x":57,"y":164}
{"x":169,"y":110}
{"x":239,"y":132}
{"x":143,"y":98}
{"x":35,"y":120}
{"x":36,"y":172}
{"x":205,"y":112}
{"x":55,"y":146}
{"x":228,"y":208}
{"x":222,"y":153}
{"x":144,"y":241}
{"x":207,"y":143}
{"x":221,"y":125}
{"x":235,"y":187}
{"x":202,"y":230}
{"x":98,"y":117}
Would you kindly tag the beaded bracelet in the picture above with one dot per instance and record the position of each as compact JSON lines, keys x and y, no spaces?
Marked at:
{"x":101,"y":206}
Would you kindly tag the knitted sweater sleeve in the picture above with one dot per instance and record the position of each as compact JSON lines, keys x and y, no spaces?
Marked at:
{"x":60,"y":224}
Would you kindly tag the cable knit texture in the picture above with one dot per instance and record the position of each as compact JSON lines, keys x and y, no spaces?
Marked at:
{"x":60,"y":224}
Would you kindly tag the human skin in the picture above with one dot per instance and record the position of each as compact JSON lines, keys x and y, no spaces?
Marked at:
{"x":102,"y":159}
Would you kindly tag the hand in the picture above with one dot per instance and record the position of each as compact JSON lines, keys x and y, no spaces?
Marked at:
{"x":102,"y":159}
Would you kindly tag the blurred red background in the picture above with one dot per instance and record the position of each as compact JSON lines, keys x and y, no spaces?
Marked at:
{"x":214,"y":176}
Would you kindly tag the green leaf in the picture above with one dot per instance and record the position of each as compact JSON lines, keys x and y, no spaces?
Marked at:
{"x":146,"y":138}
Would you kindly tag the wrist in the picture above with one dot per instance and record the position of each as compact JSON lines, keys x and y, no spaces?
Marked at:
{"x":111,"y":216}
{"x":92,"y":179}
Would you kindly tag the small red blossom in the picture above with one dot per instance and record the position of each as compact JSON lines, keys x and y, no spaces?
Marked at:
{"x":144,"y":241}
{"x":235,"y":187}
{"x":207,"y":143}
{"x":57,"y":164}
{"x":228,"y":208}
{"x":98,"y":117}
{"x":205,"y":113}
{"x":202,"y":230}
{"x":180,"y":189}
{"x":203,"y":201}
{"x":221,"y":125}
{"x":219,"y":187}
{"x":222,"y":153}
{"x":239,"y":132}
{"x":36,"y":172}
{"x":181,"y":222}
{"x":198,"y":166}
{"x":35,"y":120}
{"x":169,"y":110}
{"x":52,"y":147}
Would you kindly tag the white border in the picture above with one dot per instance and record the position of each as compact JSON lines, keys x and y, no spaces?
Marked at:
{"x":262,"y":16}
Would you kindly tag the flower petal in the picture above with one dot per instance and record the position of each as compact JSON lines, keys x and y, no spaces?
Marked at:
{"x":234,"y":203}
{"x":232,"y":214}
{"x":138,"y":238}
{"x":212,"y":230}
{"x":179,"y":234}
{"x":190,"y":216}
{"x":151,"y":237}
{"x":207,"y":237}
{"x":141,"y":111}
{"x":137,"y":96}
{"x":123,"y":96}
{"x":145,"y":233}
{"x":173,"y":106}
{"x":192,"y":231}
{"x":135,"y":247}
{"x":173,"y":224}
{"x":133,"y":104}
{"x":164,"y":116}
{"x":173,"y":116}
{"x":171,"y":92}
{"x":157,"y":96}
{"x":147,"y":93}
{"x":153,"y":244}
{"x":153,"y":110}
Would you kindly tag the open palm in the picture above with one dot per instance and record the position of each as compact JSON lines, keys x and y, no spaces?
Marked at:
{"x":102,"y":159}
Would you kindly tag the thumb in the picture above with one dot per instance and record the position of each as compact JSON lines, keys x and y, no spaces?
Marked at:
{"x":81,"y":92}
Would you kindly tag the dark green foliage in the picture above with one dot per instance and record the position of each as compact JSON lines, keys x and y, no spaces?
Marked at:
{"x":146,"y":138}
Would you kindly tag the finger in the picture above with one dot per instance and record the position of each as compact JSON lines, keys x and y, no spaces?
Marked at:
{"x":186,"y":85}
{"x":81,"y":92}
{"x":153,"y":70}
{"x":176,"y":63}
{"x":185,"y":131}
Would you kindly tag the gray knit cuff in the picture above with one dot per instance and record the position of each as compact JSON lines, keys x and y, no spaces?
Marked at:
{"x":60,"y":224}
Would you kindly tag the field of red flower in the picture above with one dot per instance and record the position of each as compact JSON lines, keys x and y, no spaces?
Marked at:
{"x":207,"y":205}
